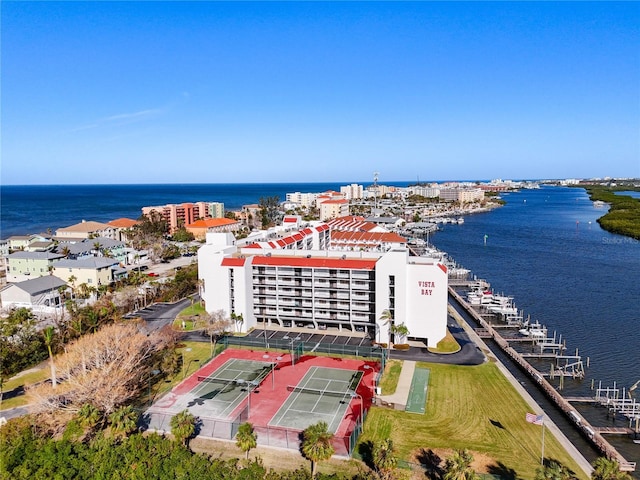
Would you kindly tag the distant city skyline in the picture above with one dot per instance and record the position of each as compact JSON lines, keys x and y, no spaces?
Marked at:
{"x":237,"y":92}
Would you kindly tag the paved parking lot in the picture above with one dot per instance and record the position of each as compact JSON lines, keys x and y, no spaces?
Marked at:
{"x":308,"y":336}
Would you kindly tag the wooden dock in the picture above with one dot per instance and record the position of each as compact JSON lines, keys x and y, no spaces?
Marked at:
{"x":581,"y":399}
{"x":613,"y":430}
{"x":598,"y":441}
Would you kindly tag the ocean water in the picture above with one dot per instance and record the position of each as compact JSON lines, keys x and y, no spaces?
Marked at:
{"x":39,"y":208}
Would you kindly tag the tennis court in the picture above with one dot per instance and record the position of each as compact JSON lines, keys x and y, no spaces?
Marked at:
{"x":323,"y":394}
{"x":221,"y":391}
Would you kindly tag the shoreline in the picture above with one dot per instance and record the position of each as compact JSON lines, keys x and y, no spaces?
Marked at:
{"x":553,"y":428}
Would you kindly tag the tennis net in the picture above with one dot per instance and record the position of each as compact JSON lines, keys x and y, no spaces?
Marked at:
{"x":221,"y":381}
{"x":315,"y":391}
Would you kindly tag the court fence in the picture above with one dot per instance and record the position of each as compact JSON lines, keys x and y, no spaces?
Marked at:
{"x":294,"y":347}
{"x":271,"y":436}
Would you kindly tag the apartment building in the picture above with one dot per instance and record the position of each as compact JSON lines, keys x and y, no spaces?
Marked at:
{"x":461,"y":195}
{"x":303,"y":199}
{"x":177,"y":215}
{"x":353,"y":191}
{"x":26,"y":265}
{"x":333,"y":208}
{"x":215,"y":209}
{"x":325,"y":290}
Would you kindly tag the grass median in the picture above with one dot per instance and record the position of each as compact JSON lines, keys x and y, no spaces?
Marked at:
{"x":474,"y":408}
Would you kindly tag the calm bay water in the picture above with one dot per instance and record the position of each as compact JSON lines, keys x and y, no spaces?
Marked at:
{"x":545,"y":248}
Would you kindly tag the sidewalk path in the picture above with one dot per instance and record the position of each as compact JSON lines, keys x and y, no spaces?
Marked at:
{"x":401,"y":395}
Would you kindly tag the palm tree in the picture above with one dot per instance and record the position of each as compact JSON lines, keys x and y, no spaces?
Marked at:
{"x":458,"y":466}
{"x":246,"y":438}
{"x":49,"y":335}
{"x":400,"y":330}
{"x":316,"y":444}
{"x":124,"y":421}
{"x":72,"y":280}
{"x":383,"y":456}
{"x":89,"y":416}
{"x":387,"y":319}
{"x":183,"y":426}
{"x":553,"y":470}
{"x":605,"y":469}
{"x":239,"y":320}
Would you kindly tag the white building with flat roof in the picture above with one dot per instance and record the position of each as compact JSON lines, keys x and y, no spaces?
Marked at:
{"x":353,"y":191}
{"x":324,"y":290}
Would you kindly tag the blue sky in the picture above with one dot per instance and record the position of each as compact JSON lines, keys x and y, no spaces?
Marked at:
{"x":199,"y":92}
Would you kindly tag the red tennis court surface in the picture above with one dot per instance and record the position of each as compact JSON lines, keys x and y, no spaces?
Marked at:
{"x":259,"y":404}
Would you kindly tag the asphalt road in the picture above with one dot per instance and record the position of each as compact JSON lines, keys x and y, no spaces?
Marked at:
{"x":158,"y":315}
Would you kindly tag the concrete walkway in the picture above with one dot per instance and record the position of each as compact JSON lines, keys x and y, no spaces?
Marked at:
{"x":401,"y":395}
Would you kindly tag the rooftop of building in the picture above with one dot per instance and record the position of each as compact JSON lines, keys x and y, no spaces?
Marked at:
{"x":85,"y":227}
{"x":123,"y":222}
{"x":212,"y":222}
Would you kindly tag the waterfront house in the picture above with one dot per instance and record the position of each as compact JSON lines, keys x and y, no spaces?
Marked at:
{"x":84,"y":230}
{"x":41,"y":294}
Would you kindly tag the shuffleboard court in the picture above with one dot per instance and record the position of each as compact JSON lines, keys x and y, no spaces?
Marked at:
{"x":418,"y":391}
{"x":323,"y":394}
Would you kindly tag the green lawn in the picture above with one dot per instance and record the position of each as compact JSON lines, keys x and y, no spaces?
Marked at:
{"x":447,"y":345}
{"x":36,"y":375}
{"x":192,"y":316}
{"x":474,"y":408}
{"x":389,"y":380}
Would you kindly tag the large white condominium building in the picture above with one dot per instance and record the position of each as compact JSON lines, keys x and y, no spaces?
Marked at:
{"x":353,"y":191}
{"x":303,"y":199}
{"x":313,"y":287}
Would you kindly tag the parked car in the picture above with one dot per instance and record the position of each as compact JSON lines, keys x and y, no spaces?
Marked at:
{"x":152,"y":274}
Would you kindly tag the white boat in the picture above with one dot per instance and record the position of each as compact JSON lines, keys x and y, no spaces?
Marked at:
{"x":460,"y":221}
{"x":503,"y":309}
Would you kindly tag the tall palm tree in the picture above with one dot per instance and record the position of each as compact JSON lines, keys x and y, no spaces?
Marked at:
{"x":246,"y":438}
{"x":183,"y":426}
{"x":605,"y":469}
{"x":384,"y":458}
{"x":239,"y":320}
{"x":72,"y":280}
{"x":49,"y":334}
{"x":316,"y":444}
{"x":124,"y":421}
{"x":387,"y":318}
{"x":458,"y":466}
